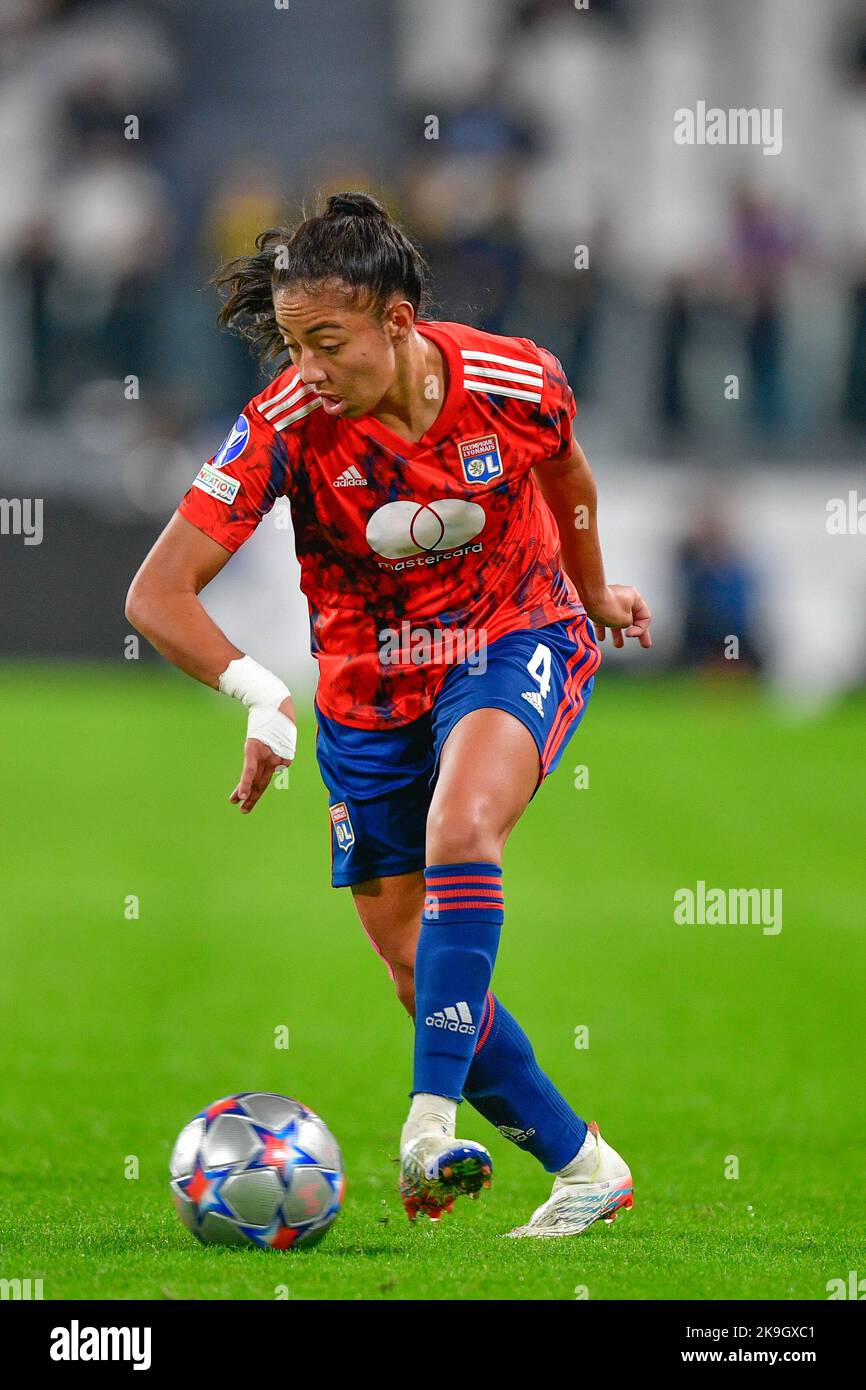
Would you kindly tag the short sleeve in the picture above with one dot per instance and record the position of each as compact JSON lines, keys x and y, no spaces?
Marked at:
{"x":558,"y":407}
{"x":240,"y":483}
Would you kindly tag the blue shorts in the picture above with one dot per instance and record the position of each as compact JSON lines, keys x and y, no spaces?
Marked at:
{"x":380,"y":781}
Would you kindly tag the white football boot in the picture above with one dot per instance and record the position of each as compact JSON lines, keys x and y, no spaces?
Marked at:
{"x":435,"y":1168}
{"x":598,"y":1186}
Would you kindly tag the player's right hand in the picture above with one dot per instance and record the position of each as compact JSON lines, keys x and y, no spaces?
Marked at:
{"x":261,"y":762}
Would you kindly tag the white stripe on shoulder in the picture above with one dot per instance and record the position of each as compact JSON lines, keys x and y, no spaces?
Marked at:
{"x":289,"y":396}
{"x":492,"y":388}
{"x":521,"y":378}
{"x":290,"y":405}
{"x":523,"y":363}
{"x":294,"y":381}
{"x":497,"y":373}
{"x":299,"y":413}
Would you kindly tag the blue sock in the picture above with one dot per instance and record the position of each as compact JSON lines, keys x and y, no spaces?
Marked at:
{"x":457,"y":947}
{"x":507,"y":1086}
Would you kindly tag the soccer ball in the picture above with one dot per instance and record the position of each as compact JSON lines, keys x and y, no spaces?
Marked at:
{"x":257,"y":1169}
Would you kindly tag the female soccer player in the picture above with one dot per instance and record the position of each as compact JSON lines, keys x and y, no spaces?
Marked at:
{"x":444,"y":520}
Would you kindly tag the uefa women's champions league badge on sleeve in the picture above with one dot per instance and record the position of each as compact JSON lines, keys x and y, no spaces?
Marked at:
{"x":342,"y":823}
{"x":210,"y":478}
{"x":234,"y":443}
{"x":480,"y":459}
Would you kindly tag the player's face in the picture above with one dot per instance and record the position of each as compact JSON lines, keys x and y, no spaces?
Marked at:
{"x":346,"y":353}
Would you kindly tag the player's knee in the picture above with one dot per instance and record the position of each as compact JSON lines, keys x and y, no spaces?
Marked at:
{"x":469,"y":833}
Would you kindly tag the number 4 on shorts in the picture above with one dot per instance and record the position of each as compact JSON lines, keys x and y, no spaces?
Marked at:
{"x":538,"y":667}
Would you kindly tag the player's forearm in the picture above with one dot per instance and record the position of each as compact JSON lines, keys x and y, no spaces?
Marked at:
{"x":174,"y":621}
{"x":177,"y":625}
{"x":570,"y":492}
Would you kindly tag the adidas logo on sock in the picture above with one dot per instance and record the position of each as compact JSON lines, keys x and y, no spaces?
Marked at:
{"x":534,"y":699}
{"x":454,"y":1018}
{"x":350,"y":477}
{"x":517,"y":1136}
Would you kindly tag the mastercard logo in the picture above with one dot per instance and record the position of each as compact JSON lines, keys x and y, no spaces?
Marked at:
{"x":401,"y":529}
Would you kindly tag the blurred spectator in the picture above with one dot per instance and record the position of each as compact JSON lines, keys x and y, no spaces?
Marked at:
{"x":718,"y":593}
{"x":87,"y":234}
{"x":674,"y":329}
{"x":554,"y":131}
{"x":529,"y":13}
{"x":854,"y":404}
{"x":94,"y":270}
{"x":767,"y":240}
{"x":249,"y":197}
{"x":461,"y":197}
{"x":852,"y":66}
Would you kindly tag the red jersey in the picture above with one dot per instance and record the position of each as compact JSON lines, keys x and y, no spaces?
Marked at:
{"x":450,"y":532}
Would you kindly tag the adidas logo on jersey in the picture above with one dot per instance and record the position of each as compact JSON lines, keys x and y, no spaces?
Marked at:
{"x":350,"y":477}
{"x":535,"y":700}
{"x":454,"y":1018}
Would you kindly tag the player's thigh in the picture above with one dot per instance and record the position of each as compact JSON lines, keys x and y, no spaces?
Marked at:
{"x":390,"y":912}
{"x":488,"y":771}
{"x":500,"y":730}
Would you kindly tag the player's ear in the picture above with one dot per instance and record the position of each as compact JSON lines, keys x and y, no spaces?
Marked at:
{"x":399,"y":320}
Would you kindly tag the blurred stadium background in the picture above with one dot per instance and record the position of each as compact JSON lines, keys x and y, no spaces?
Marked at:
{"x":553,"y":130}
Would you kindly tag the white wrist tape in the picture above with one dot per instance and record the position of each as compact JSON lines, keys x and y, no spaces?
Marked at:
{"x":262,"y":692}
{"x":274,"y":728}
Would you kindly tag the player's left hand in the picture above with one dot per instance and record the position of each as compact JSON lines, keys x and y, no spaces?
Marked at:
{"x":625,"y":611}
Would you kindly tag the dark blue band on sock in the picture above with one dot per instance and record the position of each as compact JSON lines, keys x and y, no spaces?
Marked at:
{"x":460,"y":930}
{"x":507,"y":1086}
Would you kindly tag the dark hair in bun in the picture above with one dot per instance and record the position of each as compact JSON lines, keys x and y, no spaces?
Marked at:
{"x":354,"y":241}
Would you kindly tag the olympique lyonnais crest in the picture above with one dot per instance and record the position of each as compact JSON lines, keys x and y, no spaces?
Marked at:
{"x":480,"y":458}
{"x":342,"y":823}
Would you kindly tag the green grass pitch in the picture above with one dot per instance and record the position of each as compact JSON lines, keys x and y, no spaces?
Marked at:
{"x":704,"y":1041}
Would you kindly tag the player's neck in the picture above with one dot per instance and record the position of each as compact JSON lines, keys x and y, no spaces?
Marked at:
{"x":417,"y":393}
